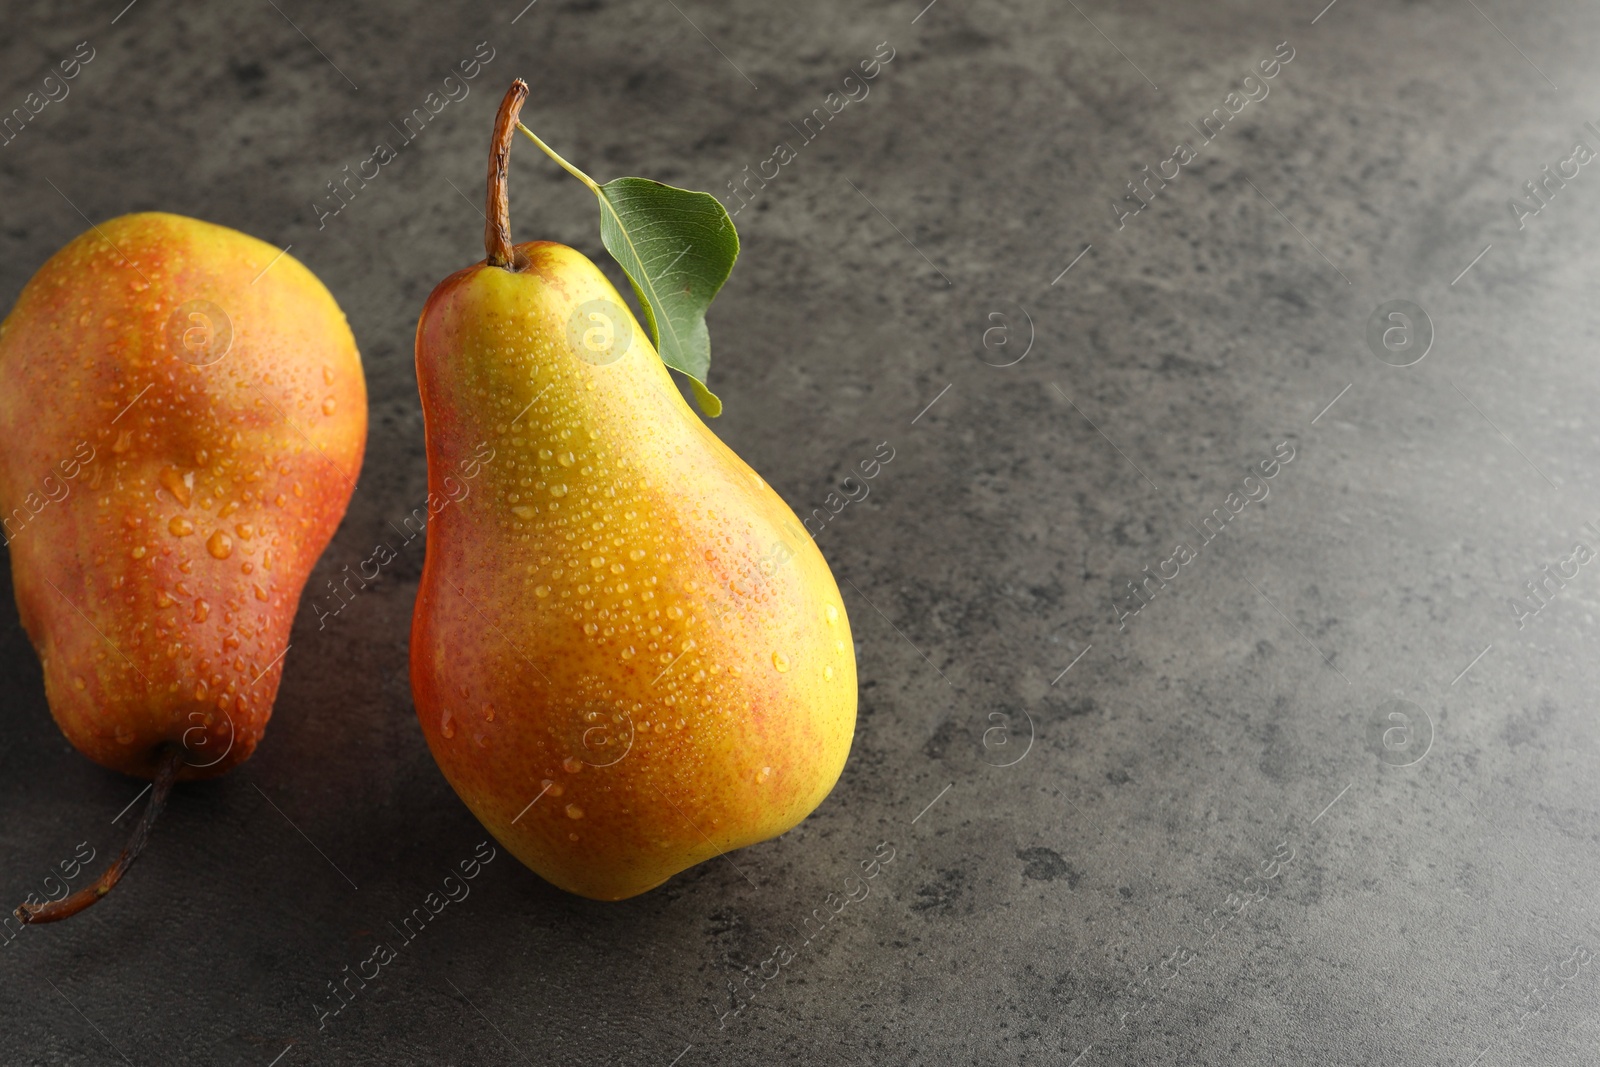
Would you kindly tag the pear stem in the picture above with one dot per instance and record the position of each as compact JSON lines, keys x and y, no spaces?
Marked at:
{"x":568,"y":167}
{"x":497,"y":246}
{"x":66,"y":907}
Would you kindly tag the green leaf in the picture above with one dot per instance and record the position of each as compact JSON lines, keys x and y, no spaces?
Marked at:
{"x":677,"y":248}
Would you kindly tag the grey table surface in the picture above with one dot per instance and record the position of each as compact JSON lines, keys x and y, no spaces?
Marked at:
{"x":1208,"y":841}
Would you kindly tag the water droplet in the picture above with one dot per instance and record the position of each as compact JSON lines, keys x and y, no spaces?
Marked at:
{"x":590,"y":628}
{"x":558,"y":490}
{"x":201,"y":610}
{"x":261,"y":594}
{"x":220,"y":545}
{"x":522,"y":511}
{"x":780,"y":661}
{"x":447,"y":725}
{"x":163,"y":599}
{"x":79,"y":684}
{"x":597,"y":562}
{"x":329,"y":406}
{"x":138,"y":552}
{"x":616,"y":568}
{"x":827,"y":674}
{"x":179,"y":485}
{"x":551,"y":787}
{"x":180,"y":526}
{"x":245,"y":531}
{"x":541,"y":591}
{"x":572,"y":837}
{"x":628,"y":653}
{"x":764,"y":774}
{"x":574,"y":812}
{"x":327,"y":374}
{"x":572,"y":765}
{"x":636,"y":555}
{"x":832,"y":614}
{"x":488,"y":712}
{"x":566,"y":459}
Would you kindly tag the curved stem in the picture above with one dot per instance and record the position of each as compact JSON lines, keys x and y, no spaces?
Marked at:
{"x":67,"y":907}
{"x":497,"y":246}
{"x":568,"y":167}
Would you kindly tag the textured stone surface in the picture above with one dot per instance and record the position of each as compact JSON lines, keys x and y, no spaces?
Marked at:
{"x":1026,"y":905}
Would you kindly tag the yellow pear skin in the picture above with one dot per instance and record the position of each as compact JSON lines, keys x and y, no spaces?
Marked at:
{"x":627,"y":656}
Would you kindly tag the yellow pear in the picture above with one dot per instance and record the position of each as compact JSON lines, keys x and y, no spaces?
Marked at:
{"x":184,"y":415}
{"x":627,"y":656}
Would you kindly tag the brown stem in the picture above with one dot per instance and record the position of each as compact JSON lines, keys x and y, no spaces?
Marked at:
{"x":497,"y":230}
{"x":67,"y":907}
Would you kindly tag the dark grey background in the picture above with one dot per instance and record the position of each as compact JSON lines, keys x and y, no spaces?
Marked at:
{"x":1173,"y":758}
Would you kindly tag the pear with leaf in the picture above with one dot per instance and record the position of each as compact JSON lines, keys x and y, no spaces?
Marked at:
{"x":627,"y":655}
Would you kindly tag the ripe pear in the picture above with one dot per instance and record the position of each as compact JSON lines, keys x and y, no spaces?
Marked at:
{"x":184,"y":415}
{"x":626,"y":655}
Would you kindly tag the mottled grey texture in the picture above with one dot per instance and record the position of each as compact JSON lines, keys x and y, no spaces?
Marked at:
{"x":1174,"y":757}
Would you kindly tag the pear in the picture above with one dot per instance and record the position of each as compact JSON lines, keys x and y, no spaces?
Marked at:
{"x":184,"y":415}
{"x":626,"y":655}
